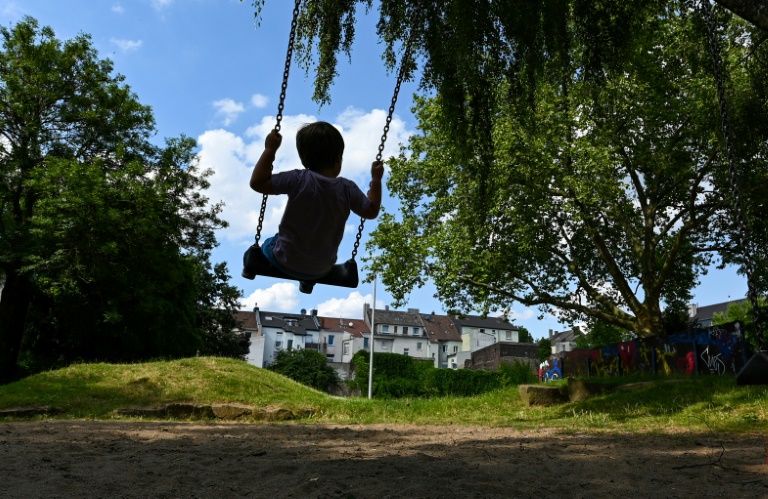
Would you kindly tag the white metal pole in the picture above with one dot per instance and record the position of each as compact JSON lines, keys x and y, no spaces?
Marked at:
{"x":373,"y":330}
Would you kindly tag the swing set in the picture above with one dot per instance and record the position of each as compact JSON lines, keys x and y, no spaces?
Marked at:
{"x":343,"y":274}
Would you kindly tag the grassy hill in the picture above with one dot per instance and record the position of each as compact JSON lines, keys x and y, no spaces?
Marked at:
{"x":94,"y":391}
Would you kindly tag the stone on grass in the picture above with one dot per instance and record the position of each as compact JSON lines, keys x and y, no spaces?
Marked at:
{"x":542,"y":395}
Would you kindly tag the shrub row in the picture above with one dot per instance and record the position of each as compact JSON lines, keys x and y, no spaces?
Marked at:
{"x":396,"y":376}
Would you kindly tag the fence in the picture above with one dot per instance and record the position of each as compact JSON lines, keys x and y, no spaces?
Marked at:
{"x":716,"y":350}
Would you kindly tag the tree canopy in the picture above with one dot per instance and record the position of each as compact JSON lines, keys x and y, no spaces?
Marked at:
{"x":569,"y":154}
{"x":104,"y":236}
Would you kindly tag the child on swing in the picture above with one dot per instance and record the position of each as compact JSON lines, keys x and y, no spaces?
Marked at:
{"x":319,"y":202}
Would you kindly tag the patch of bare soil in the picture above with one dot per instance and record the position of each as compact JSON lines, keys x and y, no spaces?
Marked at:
{"x":118,"y":459}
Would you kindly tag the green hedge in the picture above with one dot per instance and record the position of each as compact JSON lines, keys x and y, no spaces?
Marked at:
{"x":396,"y":376}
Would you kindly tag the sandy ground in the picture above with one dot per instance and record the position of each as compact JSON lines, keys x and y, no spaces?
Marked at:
{"x":117,"y":459}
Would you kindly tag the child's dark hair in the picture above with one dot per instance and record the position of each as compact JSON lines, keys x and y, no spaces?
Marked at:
{"x":320,"y":145}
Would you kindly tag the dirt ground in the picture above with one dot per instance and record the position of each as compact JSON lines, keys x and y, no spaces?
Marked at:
{"x":115,"y":459}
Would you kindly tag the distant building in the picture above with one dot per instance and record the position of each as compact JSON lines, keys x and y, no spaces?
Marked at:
{"x":444,"y":338}
{"x":398,"y":332}
{"x":564,"y":341}
{"x":704,"y":315}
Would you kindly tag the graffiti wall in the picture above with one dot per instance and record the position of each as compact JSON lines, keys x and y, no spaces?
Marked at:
{"x":717,"y":350}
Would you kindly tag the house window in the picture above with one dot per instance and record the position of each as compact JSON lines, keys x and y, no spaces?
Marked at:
{"x":395,"y":331}
{"x":406,"y":351}
{"x":418,"y":346}
{"x":346,"y":348}
{"x":509,"y":335}
{"x":385,"y":328}
{"x":278,"y":344}
{"x":416,"y":331}
{"x":455,"y":349}
{"x":365,"y":342}
{"x":445,"y":348}
{"x":405,"y":329}
{"x":330,"y":339}
{"x":290,"y":344}
{"x":482,"y":330}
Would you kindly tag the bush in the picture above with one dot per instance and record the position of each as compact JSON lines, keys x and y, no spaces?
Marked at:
{"x":518,"y":373}
{"x":396,"y":376}
{"x":308,"y":367}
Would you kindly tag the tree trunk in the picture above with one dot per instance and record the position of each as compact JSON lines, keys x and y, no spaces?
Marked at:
{"x":753,"y":11}
{"x":14,"y":304}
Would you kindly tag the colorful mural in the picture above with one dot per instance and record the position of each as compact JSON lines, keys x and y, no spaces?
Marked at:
{"x":718,"y":350}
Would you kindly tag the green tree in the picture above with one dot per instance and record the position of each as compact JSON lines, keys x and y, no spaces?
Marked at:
{"x":104,"y":237}
{"x":308,"y":367}
{"x":524,"y":336}
{"x":545,"y":349}
{"x":600,"y":334}
{"x":567,"y":154}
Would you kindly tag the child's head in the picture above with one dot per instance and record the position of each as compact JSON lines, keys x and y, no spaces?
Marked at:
{"x":320,"y":145}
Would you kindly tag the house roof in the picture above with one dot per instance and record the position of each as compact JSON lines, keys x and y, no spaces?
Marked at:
{"x":480,"y":322}
{"x":355,"y":327}
{"x":569,"y":336}
{"x":709,"y":311}
{"x":439,"y":328}
{"x":246,"y":319}
{"x":396,"y":317}
{"x":293,"y":323}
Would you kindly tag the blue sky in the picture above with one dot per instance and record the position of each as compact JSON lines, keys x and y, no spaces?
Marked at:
{"x":209,"y":73}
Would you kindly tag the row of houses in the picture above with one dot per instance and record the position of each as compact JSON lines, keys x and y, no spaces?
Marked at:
{"x":448,"y":341}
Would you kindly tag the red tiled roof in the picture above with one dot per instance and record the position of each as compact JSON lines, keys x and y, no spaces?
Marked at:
{"x":440,"y":328}
{"x":356,"y":327}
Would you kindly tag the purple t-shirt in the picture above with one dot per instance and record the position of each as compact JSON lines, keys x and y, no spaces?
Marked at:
{"x":313,"y":222}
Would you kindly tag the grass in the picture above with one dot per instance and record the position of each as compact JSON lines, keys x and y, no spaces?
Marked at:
{"x":94,"y":391}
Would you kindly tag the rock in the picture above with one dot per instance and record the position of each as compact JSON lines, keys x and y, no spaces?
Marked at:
{"x":30,"y":412}
{"x":542,"y":395}
{"x":189,"y":411}
{"x":579,"y":389}
{"x":231,"y":411}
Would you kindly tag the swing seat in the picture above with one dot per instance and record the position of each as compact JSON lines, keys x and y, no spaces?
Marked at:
{"x":255,"y":263}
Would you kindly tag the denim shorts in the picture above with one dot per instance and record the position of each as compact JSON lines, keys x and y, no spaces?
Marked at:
{"x":268,"y":248}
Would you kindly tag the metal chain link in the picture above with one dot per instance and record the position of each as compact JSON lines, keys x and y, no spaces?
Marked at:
{"x":281,"y":104}
{"x":741,"y":234}
{"x":379,"y":155}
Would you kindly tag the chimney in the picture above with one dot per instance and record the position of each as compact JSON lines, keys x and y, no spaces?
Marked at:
{"x":313,"y":312}
{"x":303,"y":311}
{"x":366,"y":311}
{"x":386,"y":307}
{"x":551,"y":334}
{"x":693,"y":310}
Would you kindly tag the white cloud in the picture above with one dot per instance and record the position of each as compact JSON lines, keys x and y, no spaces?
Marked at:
{"x":228,"y":109}
{"x":259,"y":101}
{"x":118,"y":9}
{"x":362,"y":134}
{"x":350,"y":307}
{"x":161,"y":4}
{"x":11,"y":10}
{"x":283,"y":296}
{"x":126,"y":45}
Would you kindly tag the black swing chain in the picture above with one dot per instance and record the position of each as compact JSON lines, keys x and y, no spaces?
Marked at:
{"x":281,"y":104}
{"x":742,"y":240}
{"x":379,"y":155}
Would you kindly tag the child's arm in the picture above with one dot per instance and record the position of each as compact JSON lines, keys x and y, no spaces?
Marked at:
{"x":261,"y":178}
{"x":374,"y":194}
